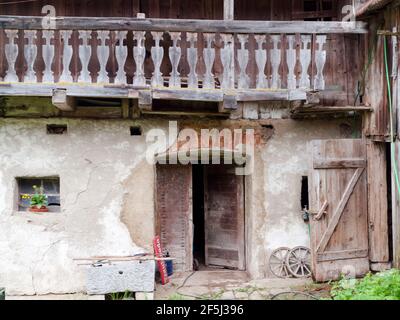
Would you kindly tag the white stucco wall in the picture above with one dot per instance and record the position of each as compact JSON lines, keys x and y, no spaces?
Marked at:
{"x":93,"y":160}
{"x":107,"y":197}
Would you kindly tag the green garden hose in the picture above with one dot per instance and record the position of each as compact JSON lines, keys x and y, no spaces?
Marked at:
{"x":392,"y":140}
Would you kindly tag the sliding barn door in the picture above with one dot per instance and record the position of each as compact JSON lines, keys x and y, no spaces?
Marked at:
{"x":174,"y":213}
{"x":338,"y":195}
{"x":224,"y":217}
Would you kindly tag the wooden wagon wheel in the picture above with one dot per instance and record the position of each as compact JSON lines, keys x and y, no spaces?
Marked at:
{"x":298,"y":262}
{"x":277,"y":262}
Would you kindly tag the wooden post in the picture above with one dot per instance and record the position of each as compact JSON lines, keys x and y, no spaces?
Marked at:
{"x":145,"y":100}
{"x":62,"y":101}
{"x":229,"y":9}
{"x":377,"y":207}
{"x":395,"y":211}
{"x":125,"y":108}
{"x":229,"y":13}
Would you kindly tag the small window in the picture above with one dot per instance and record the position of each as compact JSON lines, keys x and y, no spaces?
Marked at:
{"x":56,"y":129}
{"x":51,"y":187}
{"x":136,"y":131}
{"x":304,"y":193}
{"x":316,"y":10}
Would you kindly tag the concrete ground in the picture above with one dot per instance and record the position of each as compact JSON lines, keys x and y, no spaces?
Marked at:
{"x":74,"y":296}
{"x":234,"y":285}
{"x":216,"y":285}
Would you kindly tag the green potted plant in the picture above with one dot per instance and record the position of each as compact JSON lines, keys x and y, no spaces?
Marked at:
{"x":38,"y":201}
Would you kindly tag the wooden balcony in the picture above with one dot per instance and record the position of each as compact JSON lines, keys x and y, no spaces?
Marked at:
{"x":199,"y":60}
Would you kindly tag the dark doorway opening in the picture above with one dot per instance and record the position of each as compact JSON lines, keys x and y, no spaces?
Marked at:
{"x":218,"y":218}
{"x":304,"y":193}
{"x":198,"y":217}
{"x":389,"y":198}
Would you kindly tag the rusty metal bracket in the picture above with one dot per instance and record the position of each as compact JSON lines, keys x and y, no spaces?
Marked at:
{"x":387,"y":33}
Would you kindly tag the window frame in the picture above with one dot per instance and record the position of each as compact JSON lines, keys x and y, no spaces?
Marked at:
{"x":19,"y":193}
{"x":318,"y":15}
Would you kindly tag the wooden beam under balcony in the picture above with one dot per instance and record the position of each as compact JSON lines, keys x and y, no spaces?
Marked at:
{"x":145,"y":94}
{"x":185,"y":25}
{"x":62,"y":101}
{"x":320,"y":111}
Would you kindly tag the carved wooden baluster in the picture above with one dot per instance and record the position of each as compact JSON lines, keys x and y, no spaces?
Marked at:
{"x":157,"y":54}
{"x":305,"y":60}
{"x":103,"y":52}
{"x":67,"y":56}
{"x":261,"y":60}
{"x":48,"y":55}
{"x":11,"y":51}
{"x":228,"y":62}
{"x":395,"y":53}
{"x":320,"y":60}
{"x":30,"y":52}
{"x":175,"y":57}
{"x":121,"y":53}
{"x":291,"y":62}
{"x":193,"y":81}
{"x":139,"y":54}
{"x":243,"y":60}
{"x":85,"y":51}
{"x":275,"y":62}
{"x":209,"y":58}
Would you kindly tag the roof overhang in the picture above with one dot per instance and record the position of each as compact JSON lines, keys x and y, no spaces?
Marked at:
{"x":371,"y":5}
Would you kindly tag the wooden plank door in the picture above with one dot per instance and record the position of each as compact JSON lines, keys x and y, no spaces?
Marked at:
{"x":338,"y":193}
{"x":224,"y":217}
{"x":174,"y":213}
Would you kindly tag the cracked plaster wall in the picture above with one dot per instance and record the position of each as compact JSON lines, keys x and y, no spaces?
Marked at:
{"x":96,"y":162}
{"x":107,"y":195}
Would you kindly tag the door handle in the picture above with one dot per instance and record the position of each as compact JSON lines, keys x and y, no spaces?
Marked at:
{"x":318,"y":215}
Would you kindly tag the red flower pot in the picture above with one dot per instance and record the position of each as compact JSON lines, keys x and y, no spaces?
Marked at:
{"x":36,"y":210}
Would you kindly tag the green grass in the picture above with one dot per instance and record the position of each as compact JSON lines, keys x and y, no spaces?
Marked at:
{"x":176,"y":296}
{"x":120,"y":295}
{"x":381,"y":286}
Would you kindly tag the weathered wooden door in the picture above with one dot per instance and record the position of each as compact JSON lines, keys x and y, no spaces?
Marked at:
{"x":174,"y":213}
{"x":224,"y":217}
{"x":338,"y":195}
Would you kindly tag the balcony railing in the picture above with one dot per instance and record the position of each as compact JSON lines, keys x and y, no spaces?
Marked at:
{"x":234,"y":56}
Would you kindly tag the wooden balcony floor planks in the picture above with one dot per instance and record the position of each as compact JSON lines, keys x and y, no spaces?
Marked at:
{"x":173,"y":59}
{"x":132,"y":92}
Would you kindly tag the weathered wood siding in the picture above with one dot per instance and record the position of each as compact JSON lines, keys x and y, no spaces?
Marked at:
{"x":339,"y":237}
{"x":377,"y":128}
{"x":342,"y":69}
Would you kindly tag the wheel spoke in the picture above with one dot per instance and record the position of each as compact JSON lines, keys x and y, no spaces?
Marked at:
{"x":297,"y":269}
{"x":277,"y":262}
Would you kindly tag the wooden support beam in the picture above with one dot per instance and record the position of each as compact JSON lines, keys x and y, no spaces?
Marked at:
{"x":136,"y":112}
{"x":377,"y":203}
{"x":268,"y":95}
{"x":187,"y":94}
{"x":229,"y":9}
{"x":313,"y":98}
{"x":396,"y":208}
{"x":229,"y":104}
{"x":125,"y":106}
{"x":46,"y":90}
{"x":380,"y":266}
{"x":339,"y":163}
{"x":185,"y":25}
{"x":62,"y":101}
{"x":304,"y":109}
{"x":182,"y":113}
{"x":145,"y":100}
